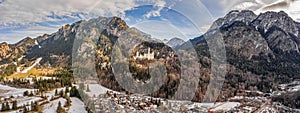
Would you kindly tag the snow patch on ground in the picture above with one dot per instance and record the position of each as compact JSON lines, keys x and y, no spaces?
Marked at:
{"x":26,"y":100}
{"x":202,"y":105}
{"x":19,"y":59}
{"x":7,"y":91}
{"x":77,"y":106}
{"x":291,"y":87}
{"x":52,"y":93}
{"x":226,"y":106}
{"x":97,"y":89}
{"x":37,"y":61}
{"x":52,"y":106}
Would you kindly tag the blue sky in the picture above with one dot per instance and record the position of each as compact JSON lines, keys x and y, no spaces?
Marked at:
{"x":162,"y":19}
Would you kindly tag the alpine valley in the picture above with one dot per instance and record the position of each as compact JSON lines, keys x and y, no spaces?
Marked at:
{"x":262,"y":74}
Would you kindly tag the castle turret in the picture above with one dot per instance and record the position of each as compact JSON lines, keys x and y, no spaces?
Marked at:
{"x":149,"y":55}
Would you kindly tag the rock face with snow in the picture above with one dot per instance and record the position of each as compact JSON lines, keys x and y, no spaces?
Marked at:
{"x":261,"y":50}
{"x":281,"y":31}
{"x":175,"y":42}
{"x":244,"y":39}
{"x":278,"y":29}
{"x":56,"y":48}
{"x":245,"y":16}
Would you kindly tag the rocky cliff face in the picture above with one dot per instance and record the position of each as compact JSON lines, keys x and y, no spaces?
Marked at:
{"x":244,"y":40}
{"x":279,"y":30}
{"x":262,"y":50}
{"x":11,"y":52}
{"x":7,"y":51}
{"x":244,"y":16}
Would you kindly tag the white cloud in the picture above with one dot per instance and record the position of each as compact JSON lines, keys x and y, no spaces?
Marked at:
{"x":248,"y":5}
{"x":160,"y":5}
{"x":227,"y":5}
{"x":16,"y":13}
{"x":291,"y":7}
{"x":26,"y":11}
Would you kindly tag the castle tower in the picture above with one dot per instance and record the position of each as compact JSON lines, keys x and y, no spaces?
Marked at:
{"x":148,"y":55}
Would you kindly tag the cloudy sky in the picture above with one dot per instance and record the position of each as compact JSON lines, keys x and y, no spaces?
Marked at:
{"x":160,"y":18}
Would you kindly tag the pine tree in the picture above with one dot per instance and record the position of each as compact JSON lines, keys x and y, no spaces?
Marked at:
{"x":60,"y":109}
{"x":87,"y":88}
{"x":15,"y":106}
{"x":3,"y":107}
{"x":159,"y":102}
{"x":61,"y":93}
{"x":68,"y":103}
{"x":25,"y":110}
{"x":31,"y":105}
{"x":67,"y":90}
{"x":151,"y":100}
{"x":36,"y":106}
{"x":74,"y":92}
{"x":31,"y":93}
{"x":56,"y":93}
{"x":26,"y":93}
{"x":7,"y":106}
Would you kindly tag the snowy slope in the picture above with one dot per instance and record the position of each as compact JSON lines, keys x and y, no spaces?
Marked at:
{"x":77,"y":106}
{"x":25,"y":100}
{"x":37,"y":61}
{"x":226,"y":106}
{"x":7,"y":91}
{"x":52,"y":93}
{"x":52,"y":106}
{"x":97,"y":89}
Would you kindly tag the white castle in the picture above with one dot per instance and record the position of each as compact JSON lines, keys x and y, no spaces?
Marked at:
{"x":149,"y":55}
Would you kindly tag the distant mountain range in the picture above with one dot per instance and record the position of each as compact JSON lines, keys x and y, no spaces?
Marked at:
{"x":262,"y":50}
{"x":175,"y":42}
